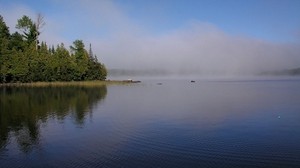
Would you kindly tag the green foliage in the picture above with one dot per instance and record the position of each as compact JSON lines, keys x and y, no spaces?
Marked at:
{"x":17,"y":42}
{"x":30,"y":32}
{"x":81,"y":58}
{"x":4,"y":31}
{"x":24,"y":23}
{"x":19,"y":67}
{"x":4,"y":41}
{"x":22,"y":60}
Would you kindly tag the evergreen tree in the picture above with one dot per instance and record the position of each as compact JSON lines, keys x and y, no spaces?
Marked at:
{"x":63,"y":64}
{"x":4,"y":43}
{"x":4,"y":36}
{"x":19,"y":70}
{"x":4,"y":30}
{"x":91,"y":55}
{"x":81,"y":59}
{"x":16,"y":42}
{"x":29,"y":29}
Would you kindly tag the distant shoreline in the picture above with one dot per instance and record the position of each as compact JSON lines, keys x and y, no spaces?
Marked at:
{"x":68,"y":83}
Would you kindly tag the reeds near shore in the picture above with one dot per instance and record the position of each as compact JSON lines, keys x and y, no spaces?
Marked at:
{"x":62,"y":84}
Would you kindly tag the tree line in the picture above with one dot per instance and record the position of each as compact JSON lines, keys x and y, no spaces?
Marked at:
{"x":24,"y":59}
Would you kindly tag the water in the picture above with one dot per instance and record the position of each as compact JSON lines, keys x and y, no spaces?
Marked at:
{"x":209,"y":123}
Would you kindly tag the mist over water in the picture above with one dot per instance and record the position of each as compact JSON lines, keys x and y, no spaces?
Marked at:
{"x":201,"y":49}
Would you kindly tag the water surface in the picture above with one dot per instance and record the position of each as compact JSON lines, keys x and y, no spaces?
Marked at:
{"x":233,"y":123}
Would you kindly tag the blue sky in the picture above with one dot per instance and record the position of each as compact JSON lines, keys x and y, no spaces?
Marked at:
{"x":274,"y":20}
{"x":125,"y":33}
{"x":267,"y":19}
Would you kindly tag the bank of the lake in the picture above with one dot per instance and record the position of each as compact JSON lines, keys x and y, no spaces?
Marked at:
{"x":71,"y":83}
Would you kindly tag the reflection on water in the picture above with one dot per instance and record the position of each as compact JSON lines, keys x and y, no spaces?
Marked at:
{"x":24,"y":109}
{"x":174,"y":124}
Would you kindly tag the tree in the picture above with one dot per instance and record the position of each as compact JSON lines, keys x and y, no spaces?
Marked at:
{"x":19,"y":67}
{"x":62,"y":64}
{"x":4,"y":36}
{"x":81,"y":59}
{"x":35,"y":71}
{"x":78,"y":50}
{"x":31,"y":30}
{"x":4,"y":30}
{"x":4,"y":42}
{"x":91,"y":55}
{"x":16,"y":42}
{"x":40,"y":23}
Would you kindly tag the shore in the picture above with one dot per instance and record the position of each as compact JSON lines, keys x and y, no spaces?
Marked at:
{"x":70,"y":83}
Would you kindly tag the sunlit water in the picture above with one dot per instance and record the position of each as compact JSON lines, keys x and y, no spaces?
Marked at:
{"x":156,"y":123}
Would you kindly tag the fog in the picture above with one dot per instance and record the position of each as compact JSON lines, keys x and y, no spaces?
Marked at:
{"x":199,"y":48}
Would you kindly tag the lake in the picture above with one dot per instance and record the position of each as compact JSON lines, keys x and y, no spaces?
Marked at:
{"x":156,"y":123}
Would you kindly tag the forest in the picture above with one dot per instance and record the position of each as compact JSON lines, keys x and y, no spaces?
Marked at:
{"x":23,"y":58}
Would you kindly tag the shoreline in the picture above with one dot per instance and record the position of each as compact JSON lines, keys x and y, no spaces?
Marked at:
{"x":68,"y":83}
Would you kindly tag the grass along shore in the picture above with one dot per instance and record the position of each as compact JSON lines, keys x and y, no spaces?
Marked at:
{"x":70,"y":83}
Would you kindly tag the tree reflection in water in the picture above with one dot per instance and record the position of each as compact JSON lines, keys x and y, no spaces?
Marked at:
{"x":23,"y":109}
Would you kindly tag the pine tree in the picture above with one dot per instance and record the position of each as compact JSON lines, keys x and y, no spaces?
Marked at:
{"x":91,"y":55}
{"x":4,"y":30}
{"x":4,"y":43}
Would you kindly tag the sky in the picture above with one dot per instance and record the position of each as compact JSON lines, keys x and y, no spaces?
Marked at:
{"x":207,"y":36}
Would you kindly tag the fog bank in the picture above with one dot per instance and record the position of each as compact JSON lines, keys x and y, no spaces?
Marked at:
{"x":198,"y":49}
